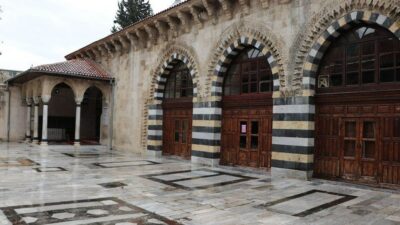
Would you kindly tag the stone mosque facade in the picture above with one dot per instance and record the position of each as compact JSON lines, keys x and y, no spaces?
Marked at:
{"x":303,"y":88}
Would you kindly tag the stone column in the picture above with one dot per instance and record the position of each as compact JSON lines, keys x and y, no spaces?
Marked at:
{"x":78,"y":122}
{"x":36,"y":101}
{"x":45,"y":100}
{"x":28,"y":119}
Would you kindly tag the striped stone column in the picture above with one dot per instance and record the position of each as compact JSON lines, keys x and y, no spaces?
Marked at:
{"x":293,"y":119}
{"x":206,"y":132}
{"x":293,"y":137}
{"x":155,"y":130}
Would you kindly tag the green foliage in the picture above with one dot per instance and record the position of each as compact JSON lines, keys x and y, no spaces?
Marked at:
{"x":129,"y":12}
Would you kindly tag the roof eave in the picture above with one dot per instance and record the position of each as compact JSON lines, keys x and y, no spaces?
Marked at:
{"x":39,"y":73}
{"x":72,"y":54}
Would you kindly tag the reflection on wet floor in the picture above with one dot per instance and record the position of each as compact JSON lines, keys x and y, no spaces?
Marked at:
{"x":96,"y":186}
{"x":94,"y":211}
{"x":9,"y":162}
{"x":197,"y":179}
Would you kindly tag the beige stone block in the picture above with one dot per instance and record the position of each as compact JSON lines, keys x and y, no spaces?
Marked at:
{"x":206,"y":123}
{"x":206,"y":148}
{"x":154,"y":142}
{"x":293,"y":157}
{"x":395,"y":27}
{"x":293,"y":125}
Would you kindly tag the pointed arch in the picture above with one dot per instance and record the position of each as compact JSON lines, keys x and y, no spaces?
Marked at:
{"x":235,"y":39}
{"x":341,"y":17}
{"x":153,"y":114}
{"x":51,"y":84}
{"x":311,"y":44}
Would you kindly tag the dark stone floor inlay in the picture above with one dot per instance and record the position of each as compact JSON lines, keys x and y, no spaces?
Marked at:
{"x":94,"y":211}
{"x":87,"y":155}
{"x":306,"y":203}
{"x":113,"y":185}
{"x":50,"y":169}
{"x":197,"y":179}
{"x":118,"y":164}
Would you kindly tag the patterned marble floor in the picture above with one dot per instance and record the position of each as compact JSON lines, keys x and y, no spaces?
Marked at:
{"x":60,"y":185}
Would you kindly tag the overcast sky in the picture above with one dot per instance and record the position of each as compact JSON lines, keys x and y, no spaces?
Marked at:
{"x":34,"y":32}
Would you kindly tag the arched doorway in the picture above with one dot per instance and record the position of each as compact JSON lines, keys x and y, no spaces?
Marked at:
{"x":358,"y":107}
{"x":247,"y":111}
{"x":61,"y":115}
{"x":92,"y":105}
{"x":177,"y":112}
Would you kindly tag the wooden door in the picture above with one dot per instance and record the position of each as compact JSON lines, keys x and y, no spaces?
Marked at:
{"x":390,"y":149}
{"x":246,"y":138}
{"x":358,"y":142}
{"x":349,"y":146}
{"x":177,"y":132}
{"x":182,"y":137}
{"x":229,"y":139}
{"x":248,"y":153}
{"x":359,"y":161}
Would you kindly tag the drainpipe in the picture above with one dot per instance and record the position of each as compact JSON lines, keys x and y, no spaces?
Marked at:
{"x":111,"y":117}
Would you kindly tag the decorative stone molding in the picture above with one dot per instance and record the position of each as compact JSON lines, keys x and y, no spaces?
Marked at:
{"x":235,"y":38}
{"x":185,"y":21}
{"x":195,"y":11}
{"x":159,"y":74}
{"x":245,"y":5}
{"x":325,"y":26}
{"x":172,"y":53}
{"x":126,"y":44}
{"x":267,"y":3}
{"x":190,"y":15}
{"x":226,"y":8}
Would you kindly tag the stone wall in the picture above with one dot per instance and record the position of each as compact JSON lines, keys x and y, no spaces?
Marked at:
{"x":206,"y":35}
{"x":136,"y":71}
{"x":16,"y":127}
{"x":13,"y":110}
{"x":292,"y":33}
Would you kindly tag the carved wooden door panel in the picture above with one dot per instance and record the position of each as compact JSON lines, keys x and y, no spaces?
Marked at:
{"x":350,"y":164}
{"x":177,"y":132}
{"x":327,"y":145}
{"x":368,"y":151}
{"x":246,"y":138}
{"x":168,"y":136}
{"x":265,"y":138}
{"x":390,"y":150}
{"x":360,"y":149}
{"x":185,"y":137}
{"x":244,"y":150}
{"x":229,"y":140}
{"x":358,"y":142}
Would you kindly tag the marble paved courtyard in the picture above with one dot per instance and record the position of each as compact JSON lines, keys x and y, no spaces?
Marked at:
{"x":61,"y":185}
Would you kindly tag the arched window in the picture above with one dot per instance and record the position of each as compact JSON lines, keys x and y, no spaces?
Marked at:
{"x":363,"y":56}
{"x":248,"y":73}
{"x":179,"y":83}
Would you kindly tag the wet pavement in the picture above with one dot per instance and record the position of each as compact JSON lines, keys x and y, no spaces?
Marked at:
{"x":90,"y":185}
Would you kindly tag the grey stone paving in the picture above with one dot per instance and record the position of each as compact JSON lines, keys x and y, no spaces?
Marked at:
{"x":34,"y":190}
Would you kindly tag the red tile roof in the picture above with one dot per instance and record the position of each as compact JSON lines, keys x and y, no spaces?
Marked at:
{"x":76,"y":67}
